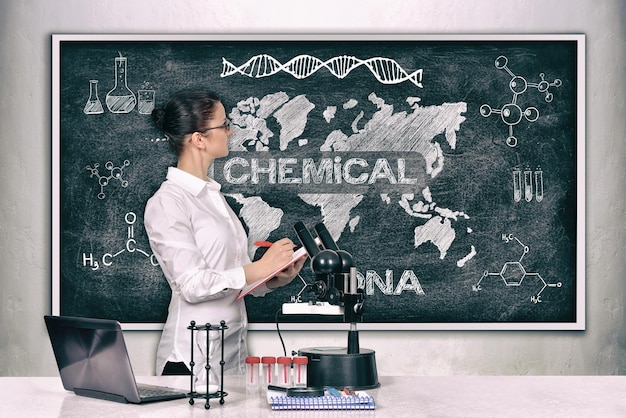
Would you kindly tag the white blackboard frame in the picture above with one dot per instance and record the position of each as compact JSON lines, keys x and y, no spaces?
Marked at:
{"x":578,"y":324}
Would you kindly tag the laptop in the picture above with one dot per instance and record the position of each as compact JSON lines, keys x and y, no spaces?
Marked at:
{"x":93,"y":361}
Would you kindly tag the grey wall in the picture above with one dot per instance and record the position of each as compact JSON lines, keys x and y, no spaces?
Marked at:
{"x":25,"y":170}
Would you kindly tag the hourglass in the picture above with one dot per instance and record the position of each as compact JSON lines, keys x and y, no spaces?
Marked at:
{"x":206,"y":378}
{"x":207,"y":341}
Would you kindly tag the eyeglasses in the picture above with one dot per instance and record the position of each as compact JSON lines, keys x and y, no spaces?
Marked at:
{"x":227,"y":125}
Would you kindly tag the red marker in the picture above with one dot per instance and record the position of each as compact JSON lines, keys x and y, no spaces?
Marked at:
{"x":263,"y":243}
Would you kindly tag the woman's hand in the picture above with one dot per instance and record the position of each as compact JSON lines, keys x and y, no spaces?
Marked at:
{"x":286,"y":276}
{"x":277,"y":255}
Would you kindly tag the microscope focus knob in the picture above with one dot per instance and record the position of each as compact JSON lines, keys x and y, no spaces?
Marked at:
{"x":358,"y":308}
{"x":334,"y":296}
{"x":320,"y":289}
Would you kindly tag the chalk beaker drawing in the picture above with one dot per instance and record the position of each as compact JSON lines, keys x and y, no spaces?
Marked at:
{"x":145,"y":101}
{"x":120,"y":99}
{"x":93,"y":105}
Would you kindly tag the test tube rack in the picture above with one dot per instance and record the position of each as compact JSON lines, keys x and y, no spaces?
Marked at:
{"x":220,"y":393}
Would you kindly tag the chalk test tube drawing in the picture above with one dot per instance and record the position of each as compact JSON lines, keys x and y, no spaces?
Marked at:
{"x":513,"y":273}
{"x":121,"y":99}
{"x":386,"y":70}
{"x":130,"y":247}
{"x":511,"y":113}
{"x":115,"y":173}
{"x":93,"y":105}
{"x":527,"y":184}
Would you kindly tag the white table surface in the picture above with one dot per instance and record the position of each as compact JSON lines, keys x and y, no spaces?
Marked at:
{"x":427,"y":396}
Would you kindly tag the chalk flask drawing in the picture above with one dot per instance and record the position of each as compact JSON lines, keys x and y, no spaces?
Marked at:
{"x":120,"y":99}
{"x":93,"y":105}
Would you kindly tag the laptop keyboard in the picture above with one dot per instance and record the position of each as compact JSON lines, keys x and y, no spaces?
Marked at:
{"x":150,"y":392}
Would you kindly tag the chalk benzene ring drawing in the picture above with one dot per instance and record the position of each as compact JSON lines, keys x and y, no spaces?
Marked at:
{"x":513,"y":273}
{"x":511,"y":113}
{"x":386,"y":70}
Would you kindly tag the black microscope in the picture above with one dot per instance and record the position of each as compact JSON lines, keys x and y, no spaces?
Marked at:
{"x":336,"y":292}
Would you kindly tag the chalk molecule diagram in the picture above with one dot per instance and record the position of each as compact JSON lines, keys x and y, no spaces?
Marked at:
{"x":511,"y":113}
{"x":386,"y":70}
{"x":115,"y":173}
{"x":130,"y":247}
{"x":513,"y":273}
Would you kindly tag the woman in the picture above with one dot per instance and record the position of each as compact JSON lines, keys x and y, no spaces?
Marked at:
{"x":198,"y":240}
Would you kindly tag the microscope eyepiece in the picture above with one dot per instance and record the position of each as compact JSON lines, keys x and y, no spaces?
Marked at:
{"x":327,"y":239}
{"x":329,"y":243}
{"x":306,"y":239}
{"x":324,"y":261}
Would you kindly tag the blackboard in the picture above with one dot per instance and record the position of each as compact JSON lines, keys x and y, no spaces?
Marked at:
{"x":450,"y":167}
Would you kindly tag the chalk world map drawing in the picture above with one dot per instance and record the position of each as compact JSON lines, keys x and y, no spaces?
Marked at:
{"x":386,"y":131}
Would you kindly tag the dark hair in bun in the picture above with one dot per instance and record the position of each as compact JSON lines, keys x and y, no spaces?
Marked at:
{"x":186,"y":112}
{"x":158,"y":114}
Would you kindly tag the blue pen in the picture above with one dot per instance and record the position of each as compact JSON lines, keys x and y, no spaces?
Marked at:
{"x":333,"y":392}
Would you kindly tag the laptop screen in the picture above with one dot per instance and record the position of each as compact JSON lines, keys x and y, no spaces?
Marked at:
{"x":91,"y":356}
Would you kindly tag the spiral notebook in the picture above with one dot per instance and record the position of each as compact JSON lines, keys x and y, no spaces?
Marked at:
{"x":360,"y":401}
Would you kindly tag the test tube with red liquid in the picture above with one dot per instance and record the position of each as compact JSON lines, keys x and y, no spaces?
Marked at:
{"x":267,"y":370}
{"x":300,"y":364}
{"x":252,"y":374}
{"x":283,"y":373}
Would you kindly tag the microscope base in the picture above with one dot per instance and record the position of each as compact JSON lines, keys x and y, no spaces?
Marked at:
{"x":334,"y":367}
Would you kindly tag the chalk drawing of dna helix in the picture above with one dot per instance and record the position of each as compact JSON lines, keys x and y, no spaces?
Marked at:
{"x":386,"y":70}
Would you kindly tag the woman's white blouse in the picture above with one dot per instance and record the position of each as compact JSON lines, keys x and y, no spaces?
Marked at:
{"x":201,"y":247}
